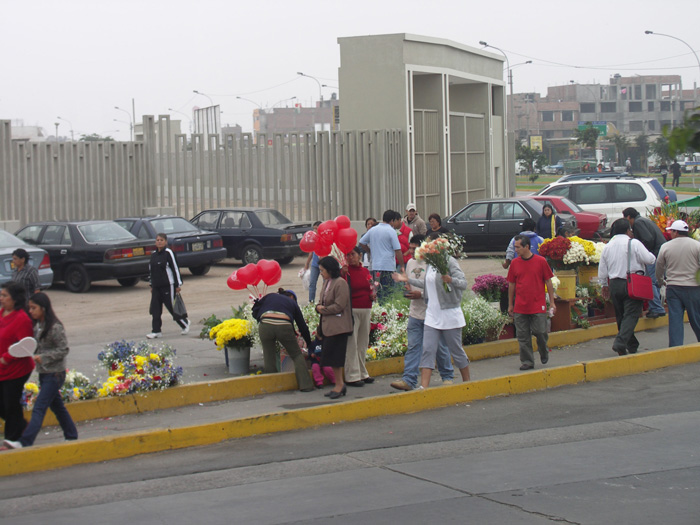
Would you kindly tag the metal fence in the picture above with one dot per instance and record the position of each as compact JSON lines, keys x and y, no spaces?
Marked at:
{"x":304,"y":175}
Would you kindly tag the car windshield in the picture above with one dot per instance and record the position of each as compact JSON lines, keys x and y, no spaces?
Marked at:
{"x":272,"y":217}
{"x":173,"y":225}
{"x":572,"y":205}
{"x":535,"y":205}
{"x":7,"y":240}
{"x":104,"y":231}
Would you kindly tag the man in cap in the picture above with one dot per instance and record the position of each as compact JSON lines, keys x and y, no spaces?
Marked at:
{"x":679,"y":259}
{"x":413,"y":220}
{"x":647,"y":232}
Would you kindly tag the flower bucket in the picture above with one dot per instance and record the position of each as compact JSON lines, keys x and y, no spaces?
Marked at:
{"x":238,"y":359}
{"x":588,"y":274}
{"x":567,"y":284}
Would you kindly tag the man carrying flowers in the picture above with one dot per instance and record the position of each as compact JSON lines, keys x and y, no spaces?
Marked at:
{"x":527,"y":276}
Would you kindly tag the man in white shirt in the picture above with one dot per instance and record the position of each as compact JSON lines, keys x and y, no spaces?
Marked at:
{"x":679,"y":259}
{"x":612,"y":276}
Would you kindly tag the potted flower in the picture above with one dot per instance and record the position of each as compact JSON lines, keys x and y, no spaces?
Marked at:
{"x":235,"y":337}
{"x":492,"y":288}
{"x":483,"y":323}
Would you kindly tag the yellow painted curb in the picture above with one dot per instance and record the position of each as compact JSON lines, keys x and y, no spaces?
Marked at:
{"x":45,"y":457}
{"x":248,"y":386}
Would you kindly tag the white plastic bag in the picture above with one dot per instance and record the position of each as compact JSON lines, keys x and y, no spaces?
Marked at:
{"x":305,"y":276}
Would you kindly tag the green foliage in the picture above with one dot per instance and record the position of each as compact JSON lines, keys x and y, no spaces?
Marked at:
{"x":686,"y":137}
{"x":622,"y":144}
{"x":209,"y":323}
{"x":660,"y":148}
{"x":94,"y":137}
{"x":588,"y":136}
{"x":642,"y":142}
{"x":531,"y":157}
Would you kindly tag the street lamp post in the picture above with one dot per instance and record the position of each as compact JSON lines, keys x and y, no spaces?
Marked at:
{"x":72,"y":138}
{"x":56,"y":124}
{"x":131,"y":122}
{"x":184,"y":115}
{"x":251,"y":101}
{"x":647,"y":32}
{"x":283,"y":100}
{"x":204,"y":95}
{"x":320,"y":92}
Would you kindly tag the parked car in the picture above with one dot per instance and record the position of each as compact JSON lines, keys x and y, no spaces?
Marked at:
{"x":555,"y":169}
{"x":666,"y":194}
{"x":489,"y":225}
{"x":194,"y":248}
{"x":85,"y":251}
{"x":251,"y":234}
{"x":37,"y":257}
{"x":611,"y":195}
{"x":591,"y":225}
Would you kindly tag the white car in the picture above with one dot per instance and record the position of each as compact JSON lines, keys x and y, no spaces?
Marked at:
{"x":610,"y":195}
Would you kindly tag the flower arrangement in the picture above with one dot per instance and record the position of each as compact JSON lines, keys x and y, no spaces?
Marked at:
{"x":554,"y":250}
{"x":437,"y":254}
{"x":232,"y":332}
{"x":456,"y":242}
{"x":29,"y":394}
{"x":483,"y":322}
{"x":569,"y":253}
{"x":77,"y":386}
{"x":663,"y":216}
{"x":490,"y":287}
{"x":137,"y":367}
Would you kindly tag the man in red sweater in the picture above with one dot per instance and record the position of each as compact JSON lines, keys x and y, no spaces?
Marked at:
{"x":527,"y":276}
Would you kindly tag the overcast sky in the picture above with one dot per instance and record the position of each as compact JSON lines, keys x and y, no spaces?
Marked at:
{"x":77,"y":59}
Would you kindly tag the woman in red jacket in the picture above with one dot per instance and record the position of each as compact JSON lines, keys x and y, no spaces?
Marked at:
{"x":14,"y":371}
{"x":362,"y":295}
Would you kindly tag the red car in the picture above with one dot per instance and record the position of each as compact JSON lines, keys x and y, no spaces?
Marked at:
{"x":591,"y":224}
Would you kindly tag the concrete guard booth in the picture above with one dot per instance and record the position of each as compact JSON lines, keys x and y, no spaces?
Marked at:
{"x":449,"y":101}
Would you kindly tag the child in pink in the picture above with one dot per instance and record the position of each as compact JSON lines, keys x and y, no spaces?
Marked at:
{"x":318,"y":371}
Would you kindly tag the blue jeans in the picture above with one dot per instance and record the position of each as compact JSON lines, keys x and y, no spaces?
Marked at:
{"x":49,"y":397}
{"x":680,"y":299}
{"x":655,"y":305}
{"x":315,"y":272}
{"x":411,"y":359}
{"x":387,"y":285}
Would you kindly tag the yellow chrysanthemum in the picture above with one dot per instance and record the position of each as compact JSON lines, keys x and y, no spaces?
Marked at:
{"x":31,"y":387}
{"x":230,"y":331}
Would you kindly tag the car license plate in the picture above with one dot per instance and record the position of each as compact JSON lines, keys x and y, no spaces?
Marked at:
{"x":197,"y":246}
{"x":138,"y":252}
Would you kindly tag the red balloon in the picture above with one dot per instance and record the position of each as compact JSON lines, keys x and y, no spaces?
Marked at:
{"x":322,"y":249}
{"x":249,"y":274}
{"x":342,"y":221}
{"x":234,"y":283}
{"x":346,"y":240}
{"x":270,"y":271}
{"x":308,"y":241}
{"x":327,"y":231}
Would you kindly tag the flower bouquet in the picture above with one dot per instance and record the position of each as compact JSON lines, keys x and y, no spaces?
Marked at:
{"x":490,"y":287}
{"x":232,"y":332}
{"x":437,"y":254}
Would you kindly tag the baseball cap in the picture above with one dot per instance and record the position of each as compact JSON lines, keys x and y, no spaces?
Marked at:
{"x":410,"y":206}
{"x":679,"y":226}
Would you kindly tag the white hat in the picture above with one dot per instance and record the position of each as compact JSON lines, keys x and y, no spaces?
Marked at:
{"x":679,"y":226}
{"x":410,"y":206}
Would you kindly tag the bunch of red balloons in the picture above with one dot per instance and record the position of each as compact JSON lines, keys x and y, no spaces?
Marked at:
{"x":336,"y":232}
{"x":269,"y":272}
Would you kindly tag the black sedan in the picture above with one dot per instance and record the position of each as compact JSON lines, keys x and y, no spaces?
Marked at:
{"x":489,"y":225}
{"x":251,"y":234}
{"x":85,"y":251}
{"x":194,"y":248}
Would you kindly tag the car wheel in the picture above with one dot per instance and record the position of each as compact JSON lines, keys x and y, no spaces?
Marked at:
{"x":560,"y":172}
{"x":128,"y":282}
{"x":285,"y":260}
{"x":77,"y":279}
{"x":251,"y":254}
{"x":200,"y":270}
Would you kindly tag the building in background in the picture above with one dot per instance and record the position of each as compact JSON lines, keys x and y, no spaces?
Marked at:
{"x":325,"y":116}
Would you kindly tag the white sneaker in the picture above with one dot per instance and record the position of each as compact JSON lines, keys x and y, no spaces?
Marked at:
{"x":12,"y":444}
{"x":154,"y":335}
{"x":186,"y":329}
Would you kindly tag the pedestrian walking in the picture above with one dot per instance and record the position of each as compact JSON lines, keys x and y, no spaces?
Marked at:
{"x":24,"y":273}
{"x":414,"y":331}
{"x":663,"y":168}
{"x":165,"y":283}
{"x":649,"y":234}
{"x":50,"y":358}
{"x":679,"y":261}
{"x":527,"y":276}
{"x":676,"y":171}
{"x":621,"y":253}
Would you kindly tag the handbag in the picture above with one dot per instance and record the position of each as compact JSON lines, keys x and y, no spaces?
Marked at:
{"x":638,"y":286}
{"x":179,"y":308}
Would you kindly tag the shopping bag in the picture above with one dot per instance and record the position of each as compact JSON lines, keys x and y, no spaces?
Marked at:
{"x":179,"y":308}
{"x":305,"y":278}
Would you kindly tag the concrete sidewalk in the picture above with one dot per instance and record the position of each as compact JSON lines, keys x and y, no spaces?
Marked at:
{"x":205,"y":423}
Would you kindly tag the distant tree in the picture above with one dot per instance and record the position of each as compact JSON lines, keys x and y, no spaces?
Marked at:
{"x":588,"y":136}
{"x":642,"y":142}
{"x":660,"y":148}
{"x":622,"y":144}
{"x":686,"y":137}
{"x":94,"y":137}
{"x":534,"y":158}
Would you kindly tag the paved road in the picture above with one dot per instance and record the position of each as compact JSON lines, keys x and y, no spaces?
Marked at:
{"x":619,"y":451}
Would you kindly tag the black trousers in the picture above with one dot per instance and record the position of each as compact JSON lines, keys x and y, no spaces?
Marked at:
{"x":163,"y":296}
{"x":10,"y":407}
{"x":627,"y":313}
